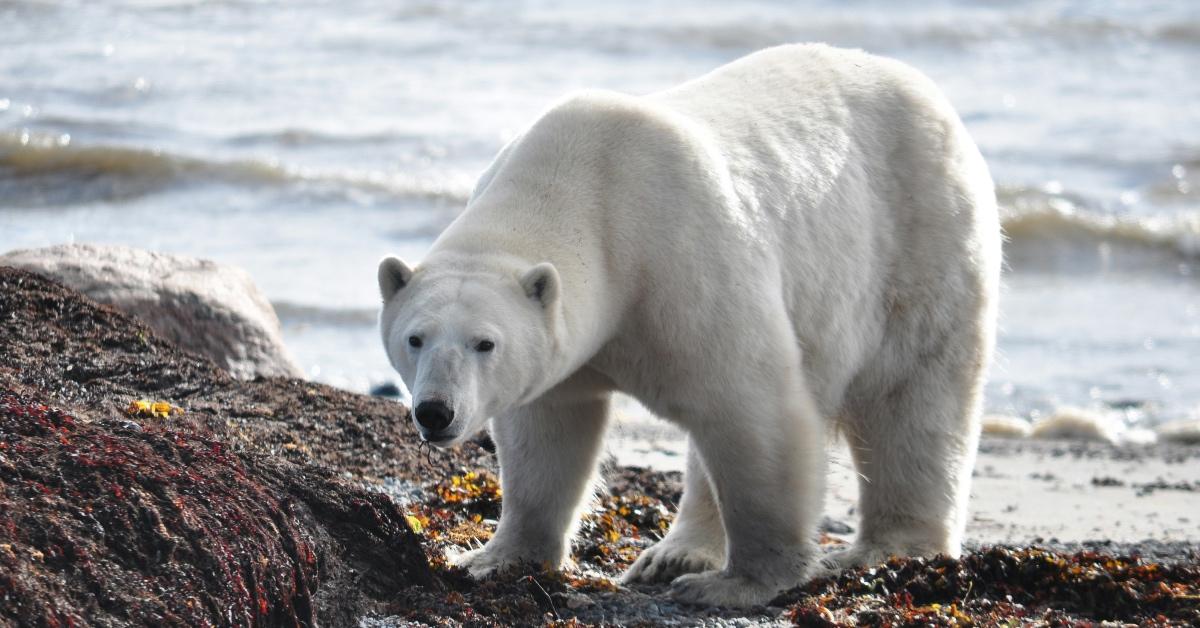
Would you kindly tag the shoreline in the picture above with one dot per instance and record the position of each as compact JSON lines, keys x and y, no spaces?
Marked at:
{"x":1053,"y":492}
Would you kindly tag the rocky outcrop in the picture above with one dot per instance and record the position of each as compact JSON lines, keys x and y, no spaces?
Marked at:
{"x":212,"y":309}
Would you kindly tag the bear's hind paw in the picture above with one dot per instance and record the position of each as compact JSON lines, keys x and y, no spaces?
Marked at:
{"x":855,"y":556}
{"x":717,"y":588}
{"x":866,"y":555}
{"x":666,"y":561}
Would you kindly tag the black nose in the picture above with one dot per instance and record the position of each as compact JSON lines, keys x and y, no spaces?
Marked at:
{"x":434,"y":415}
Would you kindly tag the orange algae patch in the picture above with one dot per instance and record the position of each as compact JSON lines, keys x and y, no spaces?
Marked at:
{"x":619,"y":529}
{"x":470,"y":487}
{"x":152,"y":409}
{"x":467,"y":505}
{"x":445,"y":527}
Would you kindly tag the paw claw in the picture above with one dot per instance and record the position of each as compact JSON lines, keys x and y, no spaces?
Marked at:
{"x":666,"y":561}
{"x":477,"y":562}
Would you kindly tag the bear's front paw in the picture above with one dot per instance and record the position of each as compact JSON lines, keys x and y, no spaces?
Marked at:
{"x":485,"y":561}
{"x":668,"y":560}
{"x":478,"y":562}
{"x":719,"y":588}
{"x":495,"y":557}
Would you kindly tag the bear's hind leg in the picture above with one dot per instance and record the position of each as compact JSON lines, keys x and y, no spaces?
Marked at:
{"x":764,"y":450}
{"x":695,"y":542}
{"x":913,"y":444}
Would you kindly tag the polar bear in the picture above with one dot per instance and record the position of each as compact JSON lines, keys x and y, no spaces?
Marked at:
{"x":804,"y":240}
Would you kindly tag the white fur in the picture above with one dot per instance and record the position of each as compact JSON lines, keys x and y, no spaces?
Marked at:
{"x":802,"y":237}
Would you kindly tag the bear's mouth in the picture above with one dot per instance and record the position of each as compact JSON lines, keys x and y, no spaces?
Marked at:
{"x":441,"y":440}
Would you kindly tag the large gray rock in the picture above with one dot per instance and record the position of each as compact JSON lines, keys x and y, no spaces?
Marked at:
{"x":208,"y":308}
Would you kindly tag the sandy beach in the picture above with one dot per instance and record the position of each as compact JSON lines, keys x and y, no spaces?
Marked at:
{"x":1024,"y":491}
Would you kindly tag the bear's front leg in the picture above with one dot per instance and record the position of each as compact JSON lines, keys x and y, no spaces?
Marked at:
{"x":548,"y":451}
{"x":765,"y":457}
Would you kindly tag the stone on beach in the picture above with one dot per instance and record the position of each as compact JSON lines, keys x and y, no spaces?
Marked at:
{"x":1182,"y":431}
{"x":212,"y":309}
{"x":1077,"y":424}
{"x":1006,"y":426}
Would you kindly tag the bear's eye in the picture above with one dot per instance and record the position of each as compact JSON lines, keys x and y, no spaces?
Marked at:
{"x":415,"y":342}
{"x":484,"y":346}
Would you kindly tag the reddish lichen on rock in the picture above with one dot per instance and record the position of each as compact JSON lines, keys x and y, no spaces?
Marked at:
{"x":141,"y":524}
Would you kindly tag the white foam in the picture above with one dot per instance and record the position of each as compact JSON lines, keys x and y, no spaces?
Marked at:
{"x":1029,"y":213}
{"x":1138,"y":436}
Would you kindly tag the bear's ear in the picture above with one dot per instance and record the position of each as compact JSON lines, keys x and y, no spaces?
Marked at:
{"x":393,"y":276}
{"x":540,"y":283}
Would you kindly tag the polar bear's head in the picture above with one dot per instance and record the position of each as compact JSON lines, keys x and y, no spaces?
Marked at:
{"x":469,"y":344}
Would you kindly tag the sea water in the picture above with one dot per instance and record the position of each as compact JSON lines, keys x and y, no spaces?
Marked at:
{"x":305,"y":140}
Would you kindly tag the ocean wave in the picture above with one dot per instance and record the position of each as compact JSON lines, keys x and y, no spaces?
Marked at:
{"x":1033,"y":218}
{"x":290,"y":313}
{"x":104,"y":172}
{"x":950,"y":31}
{"x":129,"y":171}
{"x":293,"y":136}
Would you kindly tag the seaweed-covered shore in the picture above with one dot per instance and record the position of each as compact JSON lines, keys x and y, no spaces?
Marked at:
{"x":282,"y":502}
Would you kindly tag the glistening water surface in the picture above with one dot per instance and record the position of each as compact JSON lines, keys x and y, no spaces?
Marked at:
{"x":305,"y":140}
